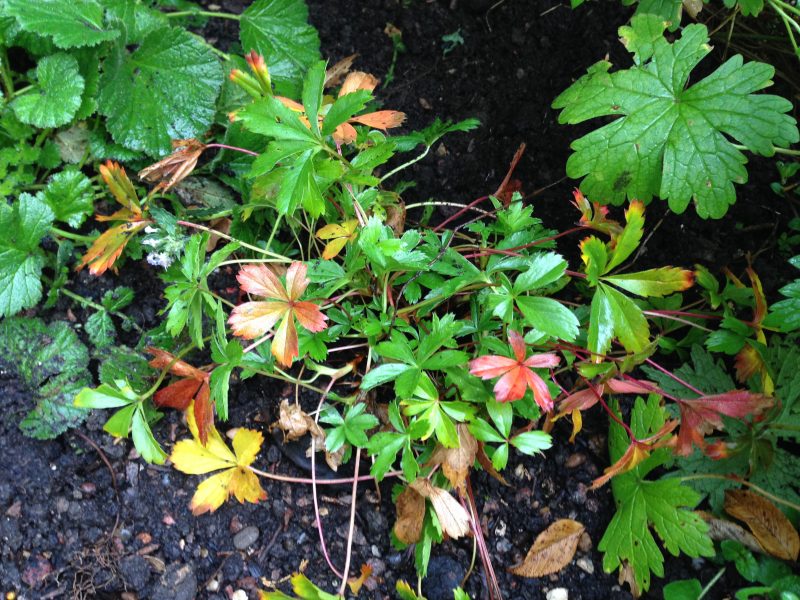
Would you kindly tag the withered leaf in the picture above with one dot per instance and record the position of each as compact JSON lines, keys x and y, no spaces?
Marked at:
{"x":453,"y":517}
{"x":722,"y":529}
{"x":456,"y":462}
{"x":769,"y":525}
{"x":410,"y":516}
{"x":552,"y":550}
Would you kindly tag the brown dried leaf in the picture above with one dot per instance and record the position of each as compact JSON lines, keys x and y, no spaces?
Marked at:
{"x":626,"y":575}
{"x":456,"y":462}
{"x":453,"y":517}
{"x":769,"y":525}
{"x":336,"y":73}
{"x":410,"y":516}
{"x":358,"y":80}
{"x":174,"y":168}
{"x":552,"y":550}
{"x":488,"y":466}
{"x":295,"y":424}
{"x":722,"y":529}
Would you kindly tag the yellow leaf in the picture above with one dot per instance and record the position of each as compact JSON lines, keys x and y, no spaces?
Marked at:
{"x":769,"y":525}
{"x":338,"y":235}
{"x":190,"y":456}
{"x":552,"y":550}
{"x":355,"y":583}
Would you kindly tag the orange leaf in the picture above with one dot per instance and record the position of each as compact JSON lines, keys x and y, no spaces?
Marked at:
{"x":254,"y":319}
{"x":636,"y":453}
{"x":118,"y":183}
{"x":358,"y":80}
{"x":381,"y":119}
{"x":163,"y":359}
{"x":355,"y":583}
{"x":769,"y":525}
{"x":552,"y":550}
{"x":107,"y":248}
{"x":179,"y":394}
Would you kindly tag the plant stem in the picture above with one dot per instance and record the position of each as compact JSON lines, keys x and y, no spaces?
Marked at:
{"x":202,"y":13}
{"x":349,"y":553}
{"x":308,"y":481}
{"x":453,"y":204}
{"x":72,"y":236}
{"x":711,"y":583}
{"x":406,"y":164}
{"x":775,"y":149}
{"x":225,"y":236}
{"x":234,"y":148}
{"x":99,"y":307}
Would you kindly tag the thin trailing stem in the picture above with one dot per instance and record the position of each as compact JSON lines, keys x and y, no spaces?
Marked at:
{"x":406,"y":164}
{"x":99,"y":307}
{"x":775,"y":149}
{"x":309,"y":481}
{"x":351,"y":527}
{"x":674,"y":377}
{"x":711,"y":584}
{"x":76,"y":237}
{"x":225,"y":236}
{"x":233,"y":148}
{"x":203,"y":13}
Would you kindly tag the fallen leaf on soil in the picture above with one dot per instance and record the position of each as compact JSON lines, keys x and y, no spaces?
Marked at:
{"x":295,"y":423}
{"x":552,"y":550}
{"x":254,"y":319}
{"x":410,"y":516}
{"x":194,"y":458}
{"x":722,"y":529}
{"x":456,"y":462}
{"x":355,"y":583}
{"x":769,"y":525}
{"x":516,"y":374}
{"x":453,"y":517}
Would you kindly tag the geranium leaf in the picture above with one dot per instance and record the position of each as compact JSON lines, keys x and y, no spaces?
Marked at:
{"x":69,"y":195}
{"x":165,"y":89}
{"x":670,"y":140}
{"x":654,"y":283}
{"x":549,"y":316}
{"x":279,"y":30}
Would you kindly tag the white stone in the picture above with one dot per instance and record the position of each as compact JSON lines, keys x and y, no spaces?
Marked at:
{"x":558,"y":594}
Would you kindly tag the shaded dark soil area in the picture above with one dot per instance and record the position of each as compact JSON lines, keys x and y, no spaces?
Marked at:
{"x":59,"y":501}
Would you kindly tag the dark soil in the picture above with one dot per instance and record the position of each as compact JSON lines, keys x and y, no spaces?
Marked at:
{"x":61,"y":501}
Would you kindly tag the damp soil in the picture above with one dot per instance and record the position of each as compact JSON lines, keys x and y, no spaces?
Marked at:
{"x":83,"y":516}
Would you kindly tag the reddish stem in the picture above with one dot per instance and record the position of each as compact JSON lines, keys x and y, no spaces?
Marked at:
{"x":460,"y":212}
{"x":234,"y":148}
{"x":674,"y":377}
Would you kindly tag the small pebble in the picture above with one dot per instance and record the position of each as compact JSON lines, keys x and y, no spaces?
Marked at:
{"x":585,"y":542}
{"x":239,"y":595}
{"x":575,"y":460}
{"x":558,"y":594}
{"x":245,"y":538}
{"x":585,"y":564}
{"x":212,"y":586}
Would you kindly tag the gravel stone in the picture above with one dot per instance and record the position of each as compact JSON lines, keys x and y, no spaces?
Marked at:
{"x":246,"y":538}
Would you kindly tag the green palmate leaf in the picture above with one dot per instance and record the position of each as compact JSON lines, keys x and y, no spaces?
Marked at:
{"x":56,"y":98}
{"x":667,"y":11}
{"x":601,"y":323}
{"x":69,"y":195}
{"x":51,"y":363}
{"x":70,"y":24}
{"x":101,"y":330}
{"x":653,"y":283}
{"x":663,"y":505}
{"x":549,"y":316}
{"x":544,"y":269}
{"x":23,"y":224}
{"x":594,"y":253}
{"x":279,"y":30}
{"x":670,"y":140}
{"x":312,"y":93}
{"x":299,"y":187}
{"x":165,"y":89}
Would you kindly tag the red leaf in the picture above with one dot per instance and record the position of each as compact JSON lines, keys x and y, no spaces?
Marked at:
{"x":516,"y":375}
{"x":702,"y":415}
{"x":203,"y":413}
{"x":179,"y":394}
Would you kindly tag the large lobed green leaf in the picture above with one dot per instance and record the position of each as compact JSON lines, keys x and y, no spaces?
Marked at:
{"x":165,"y":89}
{"x":671,"y":140}
{"x":70,"y":23}
{"x":57,"y":97}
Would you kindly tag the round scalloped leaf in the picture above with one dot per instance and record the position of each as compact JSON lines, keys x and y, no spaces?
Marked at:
{"x":70,"y":23}
{"x":57,"y":97}
{"x":165,"y":90}
{"x":70,"y":197}
{"x":279,"y":30}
